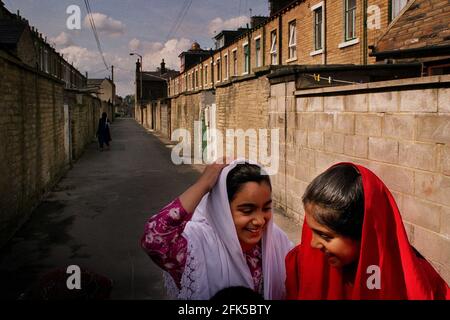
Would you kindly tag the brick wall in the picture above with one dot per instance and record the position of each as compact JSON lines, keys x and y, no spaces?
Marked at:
{"x":165,"y":117}
{"x":243,"y":105}
{"x":402,"y":135}
{"x":85,"y":111}
{"x":185,"y":110}
{"x":32,"y":140}
{"x":302,"y":14}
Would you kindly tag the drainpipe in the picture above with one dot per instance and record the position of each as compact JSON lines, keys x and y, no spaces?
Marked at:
{"x":280,"y":40}
{"x":324,"y":55}
{"x":263,"y":46}
{"x":365,"y":40}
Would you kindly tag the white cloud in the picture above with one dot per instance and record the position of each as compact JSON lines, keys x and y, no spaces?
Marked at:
{"x":134,"y":44}
{"x":62,"y":40}
{"x":89,"y":60}
{"x":81,"y":57}
{"x":218,"y":24}
{"x":154,"y":52}
{"x":105,"y":24}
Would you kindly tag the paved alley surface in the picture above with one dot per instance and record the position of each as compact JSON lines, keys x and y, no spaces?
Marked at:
{"x":95,"y":217}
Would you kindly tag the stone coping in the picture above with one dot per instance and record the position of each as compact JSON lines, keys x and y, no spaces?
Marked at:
{"x":442,"y":81}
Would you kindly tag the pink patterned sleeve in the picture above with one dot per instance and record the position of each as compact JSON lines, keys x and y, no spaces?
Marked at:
{"x":162,"y":239}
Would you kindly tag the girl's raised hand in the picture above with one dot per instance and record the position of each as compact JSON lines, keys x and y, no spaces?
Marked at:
{"x":192,"y":196}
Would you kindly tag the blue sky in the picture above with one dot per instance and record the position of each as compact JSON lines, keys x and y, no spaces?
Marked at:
{"x":134,"y":25}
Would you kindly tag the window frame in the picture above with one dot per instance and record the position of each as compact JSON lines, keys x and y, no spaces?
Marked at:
{"x":212,"y":71}
{"x":227,"y":66}
{"x":320,"y":6}
{"x":273,"y":47}
{"x":391,"y":17}
{"x":205,"y":68}
{"x":258,"y":51}
{"x":347,"y":11}
{"x":219,"y":69}
{"x":292,"y":40}
{"x":246,"y":58}
{"x":235,"y":62}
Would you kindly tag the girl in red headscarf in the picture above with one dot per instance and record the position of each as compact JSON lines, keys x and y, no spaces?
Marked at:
{"x":354,"y":244}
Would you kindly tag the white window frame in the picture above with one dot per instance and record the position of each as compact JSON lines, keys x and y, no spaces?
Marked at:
{"x":396,"y":7}
{"x":258,"y":55}
{"x":235,"y":61}
{"x":219,"y":70}
{"x":350,"y":42}
{"x":205,"y":68}
{"x":346,"y":27}
{"x":273,"y":47}
{"x":292,"y":41}
{"x":196,"y":79}
{"x":246,"y":60}
{"x":211,"y":63}
{"x":227,"y":65}
{"x":45,"y":60}
{"x":320,"y":5}
{"x":189,"y":81}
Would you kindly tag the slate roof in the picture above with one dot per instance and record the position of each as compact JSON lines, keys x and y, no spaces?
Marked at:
{"x":423,"y":24}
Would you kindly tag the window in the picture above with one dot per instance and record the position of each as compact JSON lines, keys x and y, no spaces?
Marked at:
{"x":273,"y":47}
{"x":206,"y":74}
{"x":219,"y":71}
{"x":41,"y":58}
{"x":45,"y":60}
{"x":246,"y":58}
{"x":350,"y":20}
{"x":292,"y":40}
{"x":227,"y":73}
{"x":258,"y":52}
{"x":201,"y":81}
{"x":212,"y":72}
{"x":235,"y":63}
{"x":318,"y":28}
{"x":196,"y":78}
{"x":396,"y":6}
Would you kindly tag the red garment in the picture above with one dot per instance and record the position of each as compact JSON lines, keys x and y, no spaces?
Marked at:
{"x":384,"y":243}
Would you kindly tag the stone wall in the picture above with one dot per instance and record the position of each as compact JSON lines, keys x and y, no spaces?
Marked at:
{"x":243,"y":105}
{"x":33,"y":141}
{"x":85,"y":111}
{"x":399,"y":129}
{"x":165,"y":117}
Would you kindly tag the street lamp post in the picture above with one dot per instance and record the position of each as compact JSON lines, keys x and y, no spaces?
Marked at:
{"x":140,"y":73}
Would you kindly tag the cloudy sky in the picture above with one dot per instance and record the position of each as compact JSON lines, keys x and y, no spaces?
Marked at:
{"x":152,"y":28}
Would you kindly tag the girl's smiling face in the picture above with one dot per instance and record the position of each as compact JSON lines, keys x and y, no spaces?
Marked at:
{"x":251,"y":209}
{"x":340,"y":250}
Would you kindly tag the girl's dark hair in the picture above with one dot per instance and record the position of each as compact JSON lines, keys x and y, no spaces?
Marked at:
{"x":339,"y":198}
{"x":104,"y":115}
{"x":243,"y":173}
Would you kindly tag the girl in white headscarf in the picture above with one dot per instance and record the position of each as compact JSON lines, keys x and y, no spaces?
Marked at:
{"x":218,"y":234}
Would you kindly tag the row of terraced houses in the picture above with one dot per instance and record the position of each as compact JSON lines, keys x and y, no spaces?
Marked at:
{"x":365,"y":81}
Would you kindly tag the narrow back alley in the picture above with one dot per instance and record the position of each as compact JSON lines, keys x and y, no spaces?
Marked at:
{"x":95,"y":217}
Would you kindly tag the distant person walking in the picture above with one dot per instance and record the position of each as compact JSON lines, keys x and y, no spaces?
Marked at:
{"x":103,"y":132}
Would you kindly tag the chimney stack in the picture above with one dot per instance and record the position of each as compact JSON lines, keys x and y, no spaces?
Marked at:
{"x":163,"y":67}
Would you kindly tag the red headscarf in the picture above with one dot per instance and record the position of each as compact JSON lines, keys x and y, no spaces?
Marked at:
{"x":383,"y":243}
